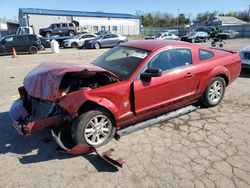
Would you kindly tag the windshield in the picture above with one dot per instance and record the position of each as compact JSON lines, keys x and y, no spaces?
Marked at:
{"x":121,"y":61}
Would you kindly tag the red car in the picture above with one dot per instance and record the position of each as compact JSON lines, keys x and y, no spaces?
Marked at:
{"x":86,"y":105}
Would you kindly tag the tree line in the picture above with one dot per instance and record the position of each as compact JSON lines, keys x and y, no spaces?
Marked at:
{"x":161,"y":19}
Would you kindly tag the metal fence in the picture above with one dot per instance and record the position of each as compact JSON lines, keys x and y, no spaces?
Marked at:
{"x":244,"y":30}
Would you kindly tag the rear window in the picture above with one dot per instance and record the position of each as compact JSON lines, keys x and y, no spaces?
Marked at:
{"x":205,"y":54}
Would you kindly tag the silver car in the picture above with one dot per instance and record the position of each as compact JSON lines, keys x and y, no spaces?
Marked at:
{"x":78,"y":41}
{"x":245,"y":57}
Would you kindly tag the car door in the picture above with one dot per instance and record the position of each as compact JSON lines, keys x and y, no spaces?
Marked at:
{"x":64,"y":29}
{"x":114,"y":40}
{"x":105,"y":41}
{"x":20,"y":43}
{"x":57,"y":29}
{"x":176,"y":86}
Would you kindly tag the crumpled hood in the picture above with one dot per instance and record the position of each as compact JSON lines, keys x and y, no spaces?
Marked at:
{"x":44,"y":81}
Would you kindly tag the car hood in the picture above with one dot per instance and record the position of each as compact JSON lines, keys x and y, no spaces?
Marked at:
{"x":44,"y":81}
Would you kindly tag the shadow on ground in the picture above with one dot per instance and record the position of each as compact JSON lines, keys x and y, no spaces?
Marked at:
{"x":39,"y":147}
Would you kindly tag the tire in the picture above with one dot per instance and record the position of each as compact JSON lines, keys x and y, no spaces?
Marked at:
{"x":121,"y":42}
{"x":72,"y":33}
{"x":221,"y":45}
{"x":214,"y":92}
{"x":33,"y":50}
{"x":96,"y":134}
{"x":48,"y":34}
{"x":97,"y":45}
{"x":74,"y":45}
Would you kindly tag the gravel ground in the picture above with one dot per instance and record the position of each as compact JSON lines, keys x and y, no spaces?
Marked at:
{"x":206,"y":148}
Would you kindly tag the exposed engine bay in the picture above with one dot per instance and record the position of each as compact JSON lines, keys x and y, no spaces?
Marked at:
{"x":75,"y":81}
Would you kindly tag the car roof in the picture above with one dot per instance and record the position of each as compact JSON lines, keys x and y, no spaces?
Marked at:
{"x":151,"y":45}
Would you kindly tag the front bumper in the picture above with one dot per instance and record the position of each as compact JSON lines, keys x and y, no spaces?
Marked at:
{"x":89,"y":45}
{"x":24,"y":123}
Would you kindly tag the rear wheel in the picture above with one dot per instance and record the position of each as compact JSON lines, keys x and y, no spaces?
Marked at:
{"x":71,"y":33}
{"x":97,"y":46}
{"x":93,"y":128}
{"x":33,"y":49}
{"x":214,"y":92}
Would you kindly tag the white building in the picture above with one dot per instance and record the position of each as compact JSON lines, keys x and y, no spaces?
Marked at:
{"x":224,"y":21}
{"x":124,"y":24}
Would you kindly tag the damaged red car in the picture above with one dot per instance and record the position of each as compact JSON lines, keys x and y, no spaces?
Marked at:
{"x":86,"y":105}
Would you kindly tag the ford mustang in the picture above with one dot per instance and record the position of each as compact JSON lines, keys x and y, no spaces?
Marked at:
{"x":85,"y":105}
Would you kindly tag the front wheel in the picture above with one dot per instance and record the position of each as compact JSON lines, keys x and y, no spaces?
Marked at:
{"x":93,"y":128}
{"x":74,"y":45}
{"x":214,"y":92}
{"x":33,"y":49}
{"x":97,"y":46}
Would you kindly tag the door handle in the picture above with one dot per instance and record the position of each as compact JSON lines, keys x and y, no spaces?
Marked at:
{"x":188,"y":75}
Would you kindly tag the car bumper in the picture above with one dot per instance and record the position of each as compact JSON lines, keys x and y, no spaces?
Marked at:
{"x":89,"y":45}
{"x":24,"y":125}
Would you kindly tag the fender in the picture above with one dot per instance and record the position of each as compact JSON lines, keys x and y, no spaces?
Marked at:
{"x":72,"y":102}
{"x":219,"y":70}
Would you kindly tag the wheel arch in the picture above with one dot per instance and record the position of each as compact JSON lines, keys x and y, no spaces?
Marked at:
{"x":217,"y":72}
{"x":90,"y":105}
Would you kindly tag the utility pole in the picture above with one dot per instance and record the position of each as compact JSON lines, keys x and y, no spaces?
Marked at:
{"x":248,"y":13}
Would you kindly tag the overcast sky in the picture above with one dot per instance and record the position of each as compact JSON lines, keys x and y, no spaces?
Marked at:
{"x":9,"y":8}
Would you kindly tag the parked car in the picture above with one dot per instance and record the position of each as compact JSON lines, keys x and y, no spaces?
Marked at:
{"x":228,"y":34}
{"x":164,"y":36}
{"x":245,"y":57}
{"x":199,"y":36}
{"x":108,"y":40}
{"x":86,"y":105}
{"x":45,"y":43}
{"x":212,"y":31}
{"x":59,"y":29}
{"x":78,"y":41}
{"x":21,"y":43}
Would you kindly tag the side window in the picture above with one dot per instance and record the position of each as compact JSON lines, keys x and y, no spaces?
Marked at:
{"x":8,"y":39}
{"x":64,"y":25}
{"x":113,"y":36}
{"x":71,"y":25}
{"x":171,"y":59}
{"x":106,"y":37}
{"x":57,"y":25}
{"x":205,"y":54}
{"x":20,"y":38}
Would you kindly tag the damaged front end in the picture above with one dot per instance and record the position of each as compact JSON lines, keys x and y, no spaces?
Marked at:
{"x":30,"y":114}
{"x":45,"y":88}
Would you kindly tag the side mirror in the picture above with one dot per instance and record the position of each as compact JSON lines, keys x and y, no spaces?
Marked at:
{"x":151,"y":73}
